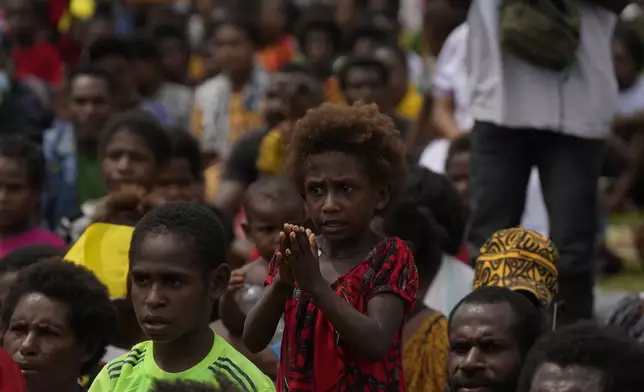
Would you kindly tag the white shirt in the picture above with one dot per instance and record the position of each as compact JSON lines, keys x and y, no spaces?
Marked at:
{"x":452,"y":282}
{"x":451,"y":78}
{"x":508,"y":91}
{"x":631,"y":100}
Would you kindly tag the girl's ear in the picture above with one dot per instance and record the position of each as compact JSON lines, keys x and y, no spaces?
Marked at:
{"x":383,"y":197}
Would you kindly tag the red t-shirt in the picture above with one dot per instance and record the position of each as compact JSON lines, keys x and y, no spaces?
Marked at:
{"x":41,"y":60}
{"x":11,"y":379}
{"x":313,"y":355}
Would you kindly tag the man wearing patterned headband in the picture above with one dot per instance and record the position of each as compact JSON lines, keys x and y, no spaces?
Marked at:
{"x":521,"y":260}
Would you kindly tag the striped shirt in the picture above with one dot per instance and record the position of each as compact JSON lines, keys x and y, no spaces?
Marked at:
{"x":137,"y":370}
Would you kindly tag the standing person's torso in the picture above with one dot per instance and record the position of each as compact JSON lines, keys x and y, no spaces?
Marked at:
{"x":508,"y":91}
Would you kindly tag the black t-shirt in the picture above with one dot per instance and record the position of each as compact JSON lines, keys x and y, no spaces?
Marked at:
{"x":242,"y":162}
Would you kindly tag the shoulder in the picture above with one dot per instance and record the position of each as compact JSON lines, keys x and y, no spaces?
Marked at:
{"x":239,"y":369}
{"x":47,"y":237}
{"x":128,"y":362}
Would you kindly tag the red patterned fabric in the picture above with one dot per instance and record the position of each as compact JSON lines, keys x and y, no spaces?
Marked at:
{"x":315,"y":358}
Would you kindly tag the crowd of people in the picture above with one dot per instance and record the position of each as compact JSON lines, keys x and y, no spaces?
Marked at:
{"x":337,"y":195}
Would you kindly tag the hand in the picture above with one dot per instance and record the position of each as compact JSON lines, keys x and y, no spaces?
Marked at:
{"x":237,"y":280}
{"x":285,"y":271}
{"x":302,"y":257}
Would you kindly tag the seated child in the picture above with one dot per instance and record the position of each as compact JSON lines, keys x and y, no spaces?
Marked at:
{"x":177,"y":269}
{"x":345,"y":294}
{"x":269,"y":204}
{"x":183,"y":178}
{"x":133,"y":148}
{"x":22,"y":175}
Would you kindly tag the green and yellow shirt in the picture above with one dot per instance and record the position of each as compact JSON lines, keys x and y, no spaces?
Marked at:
{"x":137,"y":370}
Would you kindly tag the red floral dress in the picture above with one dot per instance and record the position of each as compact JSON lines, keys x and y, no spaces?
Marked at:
{"x":314,"y":356}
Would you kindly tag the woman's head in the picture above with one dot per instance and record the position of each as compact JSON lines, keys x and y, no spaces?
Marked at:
{"x":57,"y":321}
{"x":234,"y":42}
{"x":434,"y":192}
{"x":348,"y":162}
{"x":133,"y":148}
{"x":22,"y":173}
{"x":628,"y":55}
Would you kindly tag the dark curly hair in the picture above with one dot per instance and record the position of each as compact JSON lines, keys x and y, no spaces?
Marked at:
{"x":618,"y":358}
{"x":359,"y":130}
{"x":194,"y":225}
{"x":91,"y":314}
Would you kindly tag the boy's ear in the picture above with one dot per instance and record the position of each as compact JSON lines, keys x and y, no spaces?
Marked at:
{"x":219,"y":279}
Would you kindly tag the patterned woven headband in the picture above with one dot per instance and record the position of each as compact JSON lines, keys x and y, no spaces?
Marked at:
{"x":519,"y":259}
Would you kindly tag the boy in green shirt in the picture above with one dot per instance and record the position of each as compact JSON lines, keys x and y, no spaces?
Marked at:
{"x":177,"y":272}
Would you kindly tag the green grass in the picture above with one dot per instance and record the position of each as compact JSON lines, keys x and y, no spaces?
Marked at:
{"x":628,"y":281}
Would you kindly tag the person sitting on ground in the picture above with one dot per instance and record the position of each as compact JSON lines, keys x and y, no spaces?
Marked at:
{"x":524,"y":261}
{"x":491,"y":332}
{"x":425,"y":334}
{"x":269,"y":204}
{"x":183,"y":178}
{"x":177,"y":272}
{"x":21,"y":258}
{"x":57,"y":320}
{"x":22,"y":176}
{"x":366,"y":79}
{"x":71,"y":145}
{"x":584,"y":357}
{"x":134,"y":149}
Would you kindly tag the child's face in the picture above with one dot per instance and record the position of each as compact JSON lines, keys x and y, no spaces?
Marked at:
{"x":340,"y":196}
{"x":233,"y":51}
{"x":128,"y":160}
{"x":265,"y":221}
{"x":365,"y":84}
{"x":458,"y":172}
{"x":174,"y":58}
{"x":176,"y":182}
{"x":18,"y":198}
{"x":170,"y":294}
{"x":319,"y":48}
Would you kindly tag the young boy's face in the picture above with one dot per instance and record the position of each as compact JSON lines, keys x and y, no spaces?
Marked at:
{"x":127,"y":160}
{"x":170,"y":294}
{"x":458,"y":172}
{"x":18,"y":197}
{"x":364,"y":83}
{"x":177,"y":183}
{"x":265,"y":221}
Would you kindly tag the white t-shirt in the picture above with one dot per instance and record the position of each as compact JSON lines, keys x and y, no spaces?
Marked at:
{"x":452,"y":282}
{"x":451,"y":78}
{"x":631,"y":100}
{"x":509,"y":91}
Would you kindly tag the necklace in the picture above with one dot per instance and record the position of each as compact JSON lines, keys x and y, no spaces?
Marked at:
{"x":350,"y":256}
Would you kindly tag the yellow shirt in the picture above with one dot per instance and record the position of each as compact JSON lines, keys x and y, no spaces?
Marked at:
{"x":411,"y":104}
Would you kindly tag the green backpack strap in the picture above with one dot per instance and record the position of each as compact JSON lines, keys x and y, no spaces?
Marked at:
{"x":545,"y":33}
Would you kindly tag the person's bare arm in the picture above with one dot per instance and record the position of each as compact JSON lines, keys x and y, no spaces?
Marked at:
{"x":626,"y":180}
{"x":262,"y":320}
{"x":371,"y":334}
{"x":443,"y":117}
